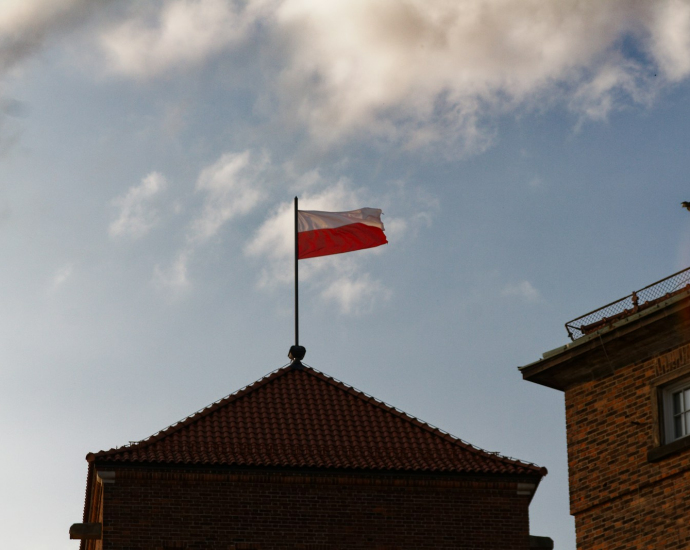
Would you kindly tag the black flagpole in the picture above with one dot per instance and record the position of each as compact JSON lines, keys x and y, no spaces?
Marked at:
{"x":296,"y":281}
{"x":296,"y":352}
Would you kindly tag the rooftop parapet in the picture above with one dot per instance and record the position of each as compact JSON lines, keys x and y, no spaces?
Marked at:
{"x":638,"y":301}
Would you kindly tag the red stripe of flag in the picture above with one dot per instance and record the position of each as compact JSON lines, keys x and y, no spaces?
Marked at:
{"x":323,"y":242}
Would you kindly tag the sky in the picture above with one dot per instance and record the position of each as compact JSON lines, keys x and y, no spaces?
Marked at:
{"x":530,"y":158}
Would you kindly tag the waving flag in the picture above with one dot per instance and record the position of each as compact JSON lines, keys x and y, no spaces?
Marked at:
{"x":325,"y":233}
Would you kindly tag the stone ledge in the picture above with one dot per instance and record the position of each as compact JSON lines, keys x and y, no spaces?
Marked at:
{"x":85,"y":531}
{"x":658,"y":453}
{"x":541,"y":542}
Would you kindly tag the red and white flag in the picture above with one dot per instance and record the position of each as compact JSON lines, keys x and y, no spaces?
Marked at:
{"x":325,"y":233}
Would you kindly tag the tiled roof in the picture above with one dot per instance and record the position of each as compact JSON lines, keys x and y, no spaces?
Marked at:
{"x":299,"y":417}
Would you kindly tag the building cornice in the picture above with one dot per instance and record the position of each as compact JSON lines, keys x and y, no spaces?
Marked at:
{"x":633,"y":339}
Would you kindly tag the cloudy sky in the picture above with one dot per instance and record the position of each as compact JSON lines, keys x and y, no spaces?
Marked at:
{"x":530,"y":158}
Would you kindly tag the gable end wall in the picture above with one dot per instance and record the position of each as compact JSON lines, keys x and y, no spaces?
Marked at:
{"x":149,"y":509}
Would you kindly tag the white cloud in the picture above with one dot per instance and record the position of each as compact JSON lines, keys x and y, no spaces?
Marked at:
{"x":421,"y":72}
{"x":237,"y":183}
{"x":182,"y":33}
{"x":431,"y":69}
{"x":274,"y":241}
{"x":174,"y":277}
{"x":536,"y":183}
{"x":417,"y":72}
{"x":670,"y":43}
{"x":233,"y":185}
{"x":523,"y":290}
{"x":417,"y":213}
{"x":61,"y":276}
{"x":597,"y":97}
{"x":355,"y":294}
{"x":25,"y":28}
{"x":137,"y":215}
{"x":396,"y":228}
{"x":26,"y":24}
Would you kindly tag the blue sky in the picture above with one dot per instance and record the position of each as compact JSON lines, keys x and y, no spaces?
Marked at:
{"x":530,"y":159}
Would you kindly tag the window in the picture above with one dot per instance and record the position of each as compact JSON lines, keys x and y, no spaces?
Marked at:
{"x":670,"y":401}
{"x":676,"y":411}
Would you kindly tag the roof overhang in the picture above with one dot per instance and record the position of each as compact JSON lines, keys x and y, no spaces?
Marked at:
{"x":635,"y":338}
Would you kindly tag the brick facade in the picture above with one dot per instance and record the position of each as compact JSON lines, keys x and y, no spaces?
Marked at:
{"x":628,"y":487}
{"x":619,"y":498}
{"x":201,"y":509}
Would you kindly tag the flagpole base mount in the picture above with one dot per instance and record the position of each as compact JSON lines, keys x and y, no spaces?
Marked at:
{"x":297,"y":353}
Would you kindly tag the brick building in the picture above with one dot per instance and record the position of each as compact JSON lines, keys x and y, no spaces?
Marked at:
{"x":626,"y":380}
{"x":299,"y":460}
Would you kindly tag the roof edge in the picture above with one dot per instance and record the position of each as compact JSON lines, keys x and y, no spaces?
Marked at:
{"x":555,"y":360}
{"x":425,"y":425}
{"x":199,"y":414}
{"x":606,"y":329}
{"x":342,"y":386}
{"x":325,"y":470}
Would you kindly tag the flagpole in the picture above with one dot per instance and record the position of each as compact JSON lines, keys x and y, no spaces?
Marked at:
{"x":297,"y":352}
{"x":296,"y":281}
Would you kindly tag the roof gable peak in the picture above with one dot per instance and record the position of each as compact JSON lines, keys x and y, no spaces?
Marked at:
{"x":299,"y":416}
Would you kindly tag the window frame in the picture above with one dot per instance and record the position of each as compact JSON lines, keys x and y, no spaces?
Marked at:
{"x":667,"y":394}
{"x":662,"y":389}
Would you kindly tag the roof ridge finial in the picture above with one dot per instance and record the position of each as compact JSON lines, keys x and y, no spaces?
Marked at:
{"x":296,"y":354}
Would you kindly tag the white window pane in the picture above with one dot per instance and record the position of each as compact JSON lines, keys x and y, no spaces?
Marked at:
{"x":677,"y":403}
{"x":686,"y":399}
{"x":678,"y":427}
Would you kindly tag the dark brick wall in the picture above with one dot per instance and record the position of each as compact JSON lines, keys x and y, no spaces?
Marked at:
{"x":655,"y":517}
{"x":621,"y":500}
{"x":161,"y":509}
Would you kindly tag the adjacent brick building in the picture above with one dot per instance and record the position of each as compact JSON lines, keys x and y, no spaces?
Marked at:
{"x":626,"y":379}
{"x":299,"y":460}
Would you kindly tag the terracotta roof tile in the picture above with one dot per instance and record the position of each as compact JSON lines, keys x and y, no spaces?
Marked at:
{"x":300,"y":417}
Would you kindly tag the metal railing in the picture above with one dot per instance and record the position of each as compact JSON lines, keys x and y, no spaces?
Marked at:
{"x":637,"y":301}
